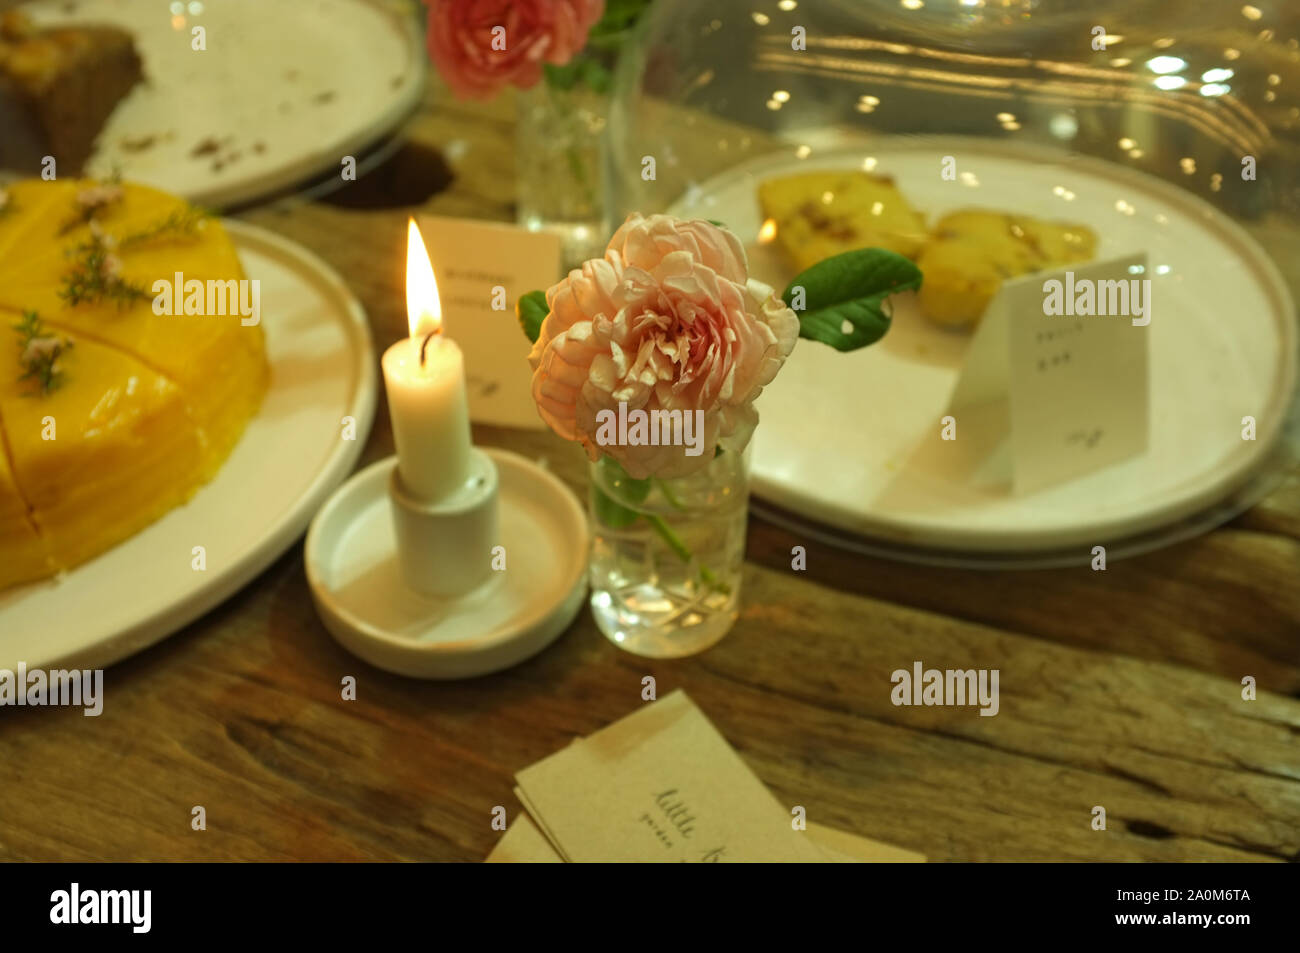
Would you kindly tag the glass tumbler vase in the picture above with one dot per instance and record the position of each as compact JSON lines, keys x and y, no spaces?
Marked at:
{"x":667,"y":555}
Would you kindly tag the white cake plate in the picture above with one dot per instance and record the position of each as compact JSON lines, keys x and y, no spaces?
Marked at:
{"x":839,"y":431}
{"x":291,"y":457}
{"x":356,"y":583}
{"x":281,"y":93}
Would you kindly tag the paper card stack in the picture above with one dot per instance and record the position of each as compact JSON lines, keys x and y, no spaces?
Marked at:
{"x":663,"y":785}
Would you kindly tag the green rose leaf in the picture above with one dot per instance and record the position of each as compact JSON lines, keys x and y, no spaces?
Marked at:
{"x":625,"y":488}
{"x":532,"y":311}
{"x":850,"y":287}
{"x":612,"y":514}
{"x":610,"y":510}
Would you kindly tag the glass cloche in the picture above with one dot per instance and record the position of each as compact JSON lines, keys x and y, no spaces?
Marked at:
{"x":1004,"y":145}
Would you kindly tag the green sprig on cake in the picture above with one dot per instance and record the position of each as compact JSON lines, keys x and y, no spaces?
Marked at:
{"x":39,"y":352}
{"x":96,"y":274}
{"x":183,"y":223}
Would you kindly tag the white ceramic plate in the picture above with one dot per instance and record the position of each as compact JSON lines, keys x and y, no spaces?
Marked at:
{"x":838,"y":430}
{"x":290,"y":458}
{"x":283,"y":91}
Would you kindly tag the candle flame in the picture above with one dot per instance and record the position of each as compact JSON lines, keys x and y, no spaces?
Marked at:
{"x":423,"y":309}
{"x":767,"y":232}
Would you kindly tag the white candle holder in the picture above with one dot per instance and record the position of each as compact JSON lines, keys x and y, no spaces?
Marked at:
{"x":474,"y":583}
{"x":445,"y":548}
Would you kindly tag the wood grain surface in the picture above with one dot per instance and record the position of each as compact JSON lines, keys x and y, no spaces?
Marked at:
{"x":1118,"y":688}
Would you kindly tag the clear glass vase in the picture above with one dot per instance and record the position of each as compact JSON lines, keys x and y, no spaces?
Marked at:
{"x":667,"y":555}
{"x":560,"y":170}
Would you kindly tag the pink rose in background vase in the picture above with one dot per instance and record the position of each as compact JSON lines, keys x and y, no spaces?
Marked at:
{"x":462,"y":33}
{"x":668,"y":320}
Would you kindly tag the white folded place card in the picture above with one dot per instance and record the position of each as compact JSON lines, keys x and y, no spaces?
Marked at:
{"x":482,"y":269}
{"x":1055,"y":382}
{"x":659,"y":785}
{"x":663,"y":785}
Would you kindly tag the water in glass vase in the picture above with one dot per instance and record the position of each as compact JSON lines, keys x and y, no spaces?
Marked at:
{"x":667,"y":555}
{"x":561,"y":185}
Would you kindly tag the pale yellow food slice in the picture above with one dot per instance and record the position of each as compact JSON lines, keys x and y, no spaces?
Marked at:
{"x":1059,"y":242}
{"x":820,"y":214}
{"x":125,"y":450}
{"x":972,"y":251}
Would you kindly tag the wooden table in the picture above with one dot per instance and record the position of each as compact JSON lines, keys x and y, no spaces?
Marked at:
{"x":1118,"y":688}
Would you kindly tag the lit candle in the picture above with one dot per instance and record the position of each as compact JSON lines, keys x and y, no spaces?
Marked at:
{"x":424,"y":376}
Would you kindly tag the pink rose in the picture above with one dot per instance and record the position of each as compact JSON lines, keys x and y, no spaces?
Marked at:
{"x":468,"y":53}
{"x":668,"y":320}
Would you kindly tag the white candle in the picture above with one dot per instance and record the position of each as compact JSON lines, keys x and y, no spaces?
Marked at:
{"x":425,"y":380}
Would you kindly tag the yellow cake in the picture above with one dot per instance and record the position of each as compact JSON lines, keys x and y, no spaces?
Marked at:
{"x":974,"y":250}
{"x":140,"y":408}
{"x":820,"y":214}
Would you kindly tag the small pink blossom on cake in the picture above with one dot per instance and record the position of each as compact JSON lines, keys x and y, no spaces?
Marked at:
{"x":40,"y":348}
{"x":462,"y":34}
{"x":45,"y":350}
{"x":668,"y":319}
{"x":97,"y":196}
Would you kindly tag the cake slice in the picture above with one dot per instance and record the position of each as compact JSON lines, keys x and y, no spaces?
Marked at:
{"x":973,"y":251}
{"x":58,"y":87}
{"x":215,"y":360}
{"x":820,"y":214}
{"x":125,"y":451}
